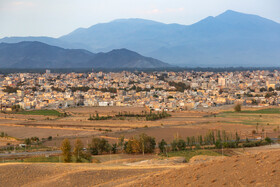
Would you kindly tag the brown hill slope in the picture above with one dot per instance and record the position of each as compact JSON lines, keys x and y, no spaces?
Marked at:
{"x":260,"y":168}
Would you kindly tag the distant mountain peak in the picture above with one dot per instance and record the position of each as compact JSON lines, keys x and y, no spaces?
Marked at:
{"x":135,"y":21}
{"x":122,"y":50}
{"x":232,"y":13}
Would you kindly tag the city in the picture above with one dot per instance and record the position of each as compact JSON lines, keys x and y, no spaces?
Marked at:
{"x":168,"y":91}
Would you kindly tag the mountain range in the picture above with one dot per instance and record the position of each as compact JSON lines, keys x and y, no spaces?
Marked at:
{"x":40,"y":55}
{"x":229,"y":39}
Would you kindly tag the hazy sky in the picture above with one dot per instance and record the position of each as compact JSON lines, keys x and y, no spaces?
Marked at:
{"x":58,"y":17}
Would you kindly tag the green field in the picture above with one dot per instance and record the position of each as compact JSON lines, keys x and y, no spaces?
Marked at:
{"x":41,"y":112}
{"x":268,"y":116}
{"x":261,"y":111}
{"x":51,"y":159}
{"x":188,"y":154}
{"x":43,"y":159}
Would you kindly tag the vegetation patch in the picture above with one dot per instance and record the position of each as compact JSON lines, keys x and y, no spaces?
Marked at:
{"x":261,"y":111}
{"x":42,"y":159}
{"x":41,"y":112}
{"x":188,"y":154}
{"x":54,"y":159}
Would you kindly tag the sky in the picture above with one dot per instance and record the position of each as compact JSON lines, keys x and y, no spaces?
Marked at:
{"x":55,"y":18}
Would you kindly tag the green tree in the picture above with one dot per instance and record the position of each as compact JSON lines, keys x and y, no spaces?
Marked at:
{"x":121,"y":142}
{"x":237,"y":139}
{"x":162,"y":146}
{"x":147,"y":143}
{"x":66,"y":150}
{"x":114,"y":148}
{"x":268,"y":140}
{"x":178,"y":145}
{"x":98,"y":146}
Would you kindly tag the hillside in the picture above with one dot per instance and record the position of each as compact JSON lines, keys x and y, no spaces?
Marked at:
{"x":231,"y":39}
{"x":202,"y":171}
{"x":126,"y":59}
{"x":40,"y":55}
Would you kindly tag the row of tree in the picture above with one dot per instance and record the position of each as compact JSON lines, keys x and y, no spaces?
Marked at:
{"x":29,"y":141}
{"x":156,"y":116}
{"x":143,"y":143}
{"x":149,"y":116}
{"x":97,"y":117}
{"x":3,"y":134}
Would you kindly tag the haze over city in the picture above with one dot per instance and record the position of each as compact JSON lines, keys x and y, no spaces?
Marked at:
{"x":56,"y":18}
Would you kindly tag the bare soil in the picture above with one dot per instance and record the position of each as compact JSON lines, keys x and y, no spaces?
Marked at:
{"x":254,"y":167}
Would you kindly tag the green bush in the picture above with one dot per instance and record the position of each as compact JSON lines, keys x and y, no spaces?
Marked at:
{"x":98,"y":146}
{"x":178,"y":145}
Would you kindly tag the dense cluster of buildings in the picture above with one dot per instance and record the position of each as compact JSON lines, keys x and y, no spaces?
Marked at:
{"x":156,"y":90}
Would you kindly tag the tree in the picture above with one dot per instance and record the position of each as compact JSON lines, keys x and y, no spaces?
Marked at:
{"x":97,"y":116}
{"x":178,"y":145}
{"x":121,"y":142}
{"x":237,"y":108}
{"x":147,"y":143}
{"x":268,"y":140}
{"x":162,"y":146}
{"x":78,"y":150}
{"x":141,"y":144}
{"x":270,"y":89}
{"x":98,"y":146}
{"x":237,"y":139}
{"x":114,"y":148}
{"x":35,"y":139}
{"x":66,"y":150}
{"x":27,"y":141}
{"x":132,"y":146}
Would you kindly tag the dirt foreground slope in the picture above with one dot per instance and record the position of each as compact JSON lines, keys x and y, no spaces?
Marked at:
{"x":261,"y":169}
{"x":251,"y":169}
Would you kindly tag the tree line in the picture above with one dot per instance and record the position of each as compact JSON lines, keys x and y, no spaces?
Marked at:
{"x":143,"y":144}
{"x":148,"y":116}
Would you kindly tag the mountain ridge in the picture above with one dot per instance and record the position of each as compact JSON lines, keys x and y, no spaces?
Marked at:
{"x":229,"y":39}
{"x":40,"y":55}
